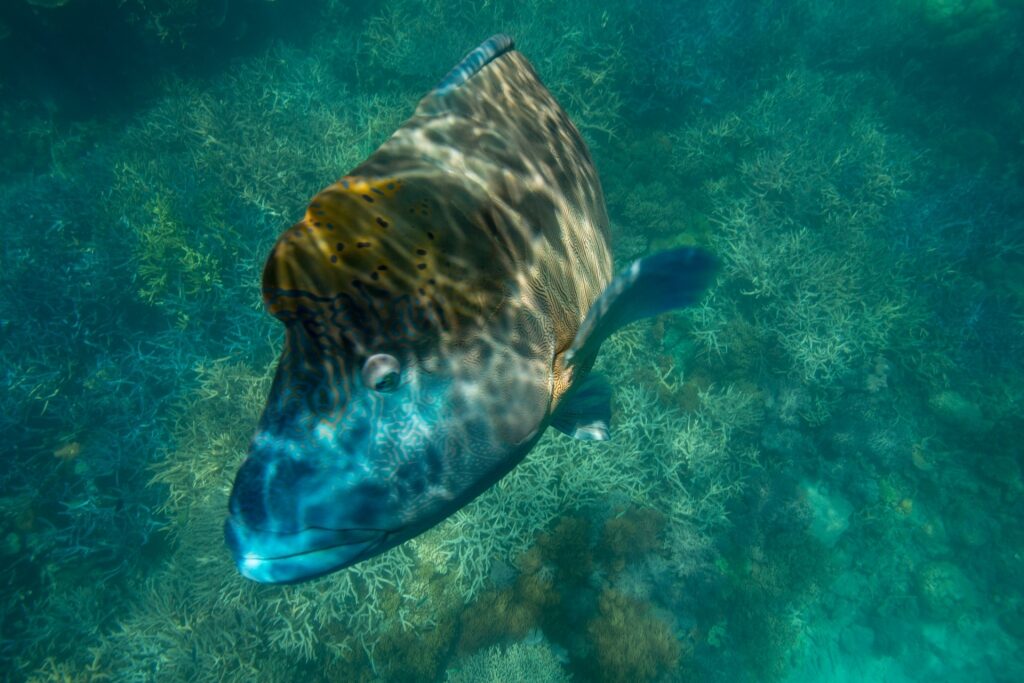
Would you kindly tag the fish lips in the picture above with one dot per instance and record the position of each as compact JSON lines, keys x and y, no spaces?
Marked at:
{"x":292,"y":557}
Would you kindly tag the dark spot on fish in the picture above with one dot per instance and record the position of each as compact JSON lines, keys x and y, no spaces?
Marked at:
{"x":421,"y":266}
{"x":391,"y":186}
{"x":421,"y":252}
{"x":381,"y":222}
{"x":334,"y":259}
{"x":489,"y":222}
{"x":382,"y":267}
{"x":248,"y":501}
{"x":552,"y":125}
{"x":432,"y":460}
{"x":512,"y":241}
{"x":405,"y":472}
{"x":362,"y":245}
{"x":374,"y":189}
{"x":322,"y":398}
{"x":316,"y":223}
{"x":339,"y":246}
{"x":374,"y":276}
{"x":356,"y":283}
{"x":432,"y":281}
{"x":330,"y":226}
{"x":314,"y":205}
{"x":430,"y":235}
{"x":422,"y":291}
{"x":364,"y":513}
{"x":440,"y":314}
{"x":367,"y":198}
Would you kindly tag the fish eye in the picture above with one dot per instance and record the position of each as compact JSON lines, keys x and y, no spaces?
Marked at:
{"x":381,"y":372}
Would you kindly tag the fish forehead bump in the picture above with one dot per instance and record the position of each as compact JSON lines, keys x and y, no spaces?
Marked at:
{"x":377,"y":260}
{"x":344,"y":228}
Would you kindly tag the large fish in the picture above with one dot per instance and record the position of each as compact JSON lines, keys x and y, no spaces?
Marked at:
{"x":443,"y":304}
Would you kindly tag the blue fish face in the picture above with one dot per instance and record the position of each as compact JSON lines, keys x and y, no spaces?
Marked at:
{"x":342,"y":467}
{"x":352,"y":458}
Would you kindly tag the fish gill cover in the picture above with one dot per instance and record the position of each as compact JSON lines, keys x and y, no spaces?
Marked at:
{"x":814,"y":473}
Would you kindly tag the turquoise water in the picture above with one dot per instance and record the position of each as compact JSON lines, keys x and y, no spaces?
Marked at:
{"x":814,"y":473}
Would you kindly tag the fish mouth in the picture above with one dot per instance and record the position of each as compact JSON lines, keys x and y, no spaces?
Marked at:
{"x":293,"y":557}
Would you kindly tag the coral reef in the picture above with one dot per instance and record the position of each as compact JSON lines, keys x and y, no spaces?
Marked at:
{"x":814,"y":473}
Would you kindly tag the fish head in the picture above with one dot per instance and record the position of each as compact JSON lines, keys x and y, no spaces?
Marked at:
{"x":396,"y":398}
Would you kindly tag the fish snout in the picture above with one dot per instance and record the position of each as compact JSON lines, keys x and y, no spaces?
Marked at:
{"x":293,"y":516}
{"x":268,"y":557}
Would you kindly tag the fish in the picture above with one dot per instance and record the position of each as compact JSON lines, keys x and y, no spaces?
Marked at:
{"x":443,"y":304}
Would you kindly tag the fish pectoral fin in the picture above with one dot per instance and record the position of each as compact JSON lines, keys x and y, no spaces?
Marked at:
{"x":652,"y":285}
{"x":586,"y":413}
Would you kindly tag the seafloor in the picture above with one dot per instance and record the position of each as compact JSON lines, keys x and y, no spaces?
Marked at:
{"x":815,"y":474}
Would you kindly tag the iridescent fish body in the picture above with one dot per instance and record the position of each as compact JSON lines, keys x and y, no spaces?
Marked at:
{"x":443,"y":304}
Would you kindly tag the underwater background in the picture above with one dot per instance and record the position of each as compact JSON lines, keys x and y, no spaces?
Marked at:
{"x":814,"y":475}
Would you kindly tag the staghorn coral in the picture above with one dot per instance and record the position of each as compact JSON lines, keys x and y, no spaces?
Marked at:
{"x":161,"y":246}
{"x":520,"y":662}
{"x":796,"y":226}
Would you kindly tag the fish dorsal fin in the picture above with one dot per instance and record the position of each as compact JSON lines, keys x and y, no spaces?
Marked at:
{"x":652,"y":285}
{"x":468,"y":66}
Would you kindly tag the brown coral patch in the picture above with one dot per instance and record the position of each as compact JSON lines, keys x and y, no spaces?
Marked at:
{"x":629,"y":642}
{"x":631,"y":534}
{"x":508,"y":614}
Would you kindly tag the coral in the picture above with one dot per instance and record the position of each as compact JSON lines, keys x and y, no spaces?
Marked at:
{"x":510,"y":613}
{"x":210,"y":440}
{"x":631,"y":534}
{"x":955,"y":410}
{"x":830,"y":514}
{"x":629,"y":642}
{"x":179,"y":23}
{"x":416,"y":655}
{"x":520,"y":662}
{"x":962,"y":22}
{"x":944,"y":590}
{"x":790,"y":223}
{"x":162,"y":246}
{"x":567,"y":547}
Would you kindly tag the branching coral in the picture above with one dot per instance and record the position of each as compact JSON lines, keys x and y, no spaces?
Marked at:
{"x":521,"y":662}
{"x":162,"y":247}
{"x":799,"y":218}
